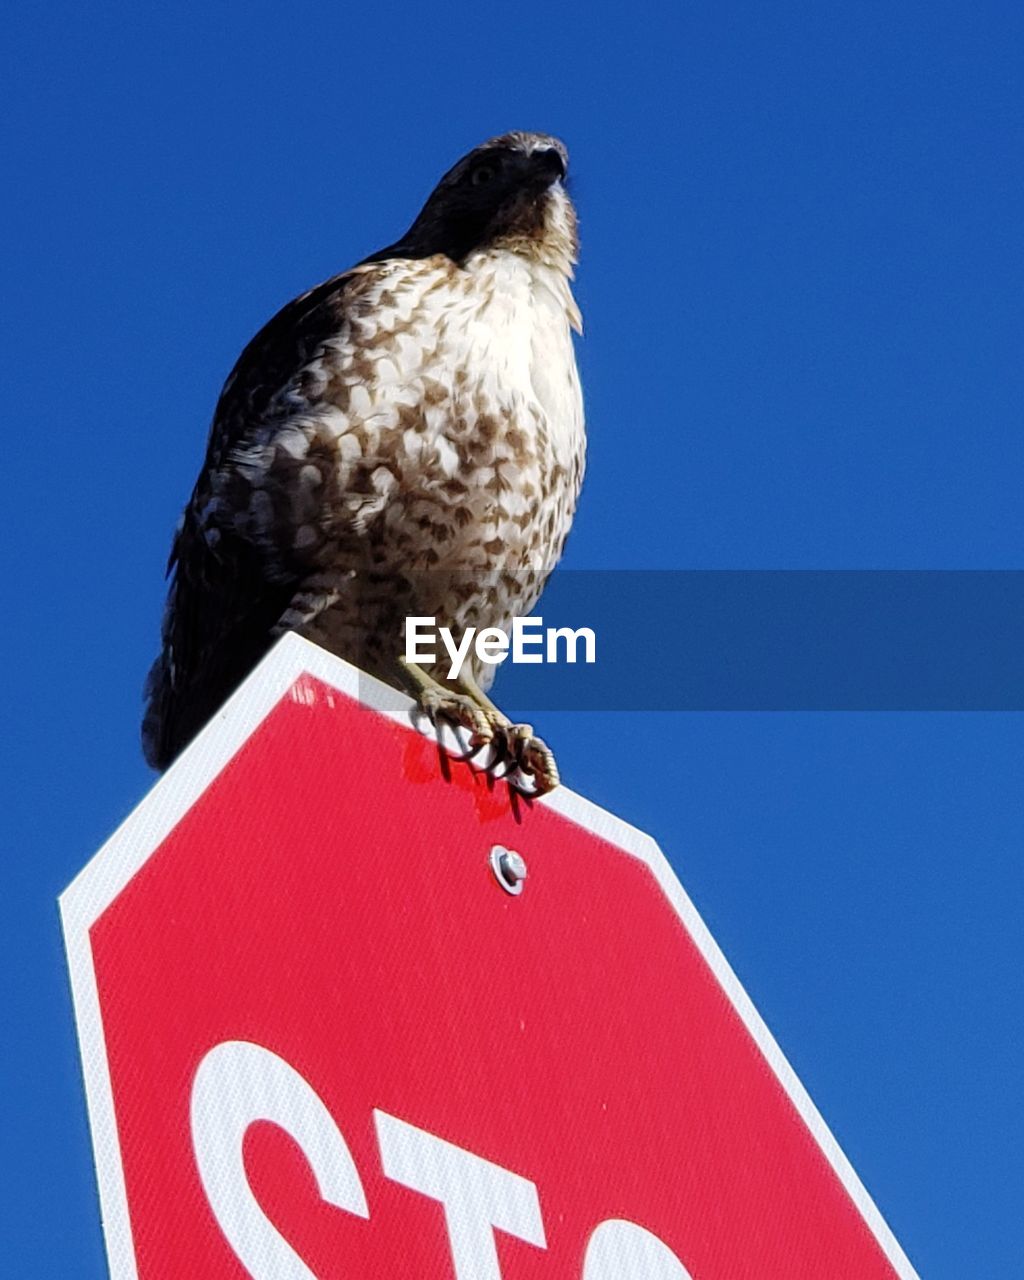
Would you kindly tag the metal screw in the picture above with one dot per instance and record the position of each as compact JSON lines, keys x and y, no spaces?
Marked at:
{"x":509,"y":869}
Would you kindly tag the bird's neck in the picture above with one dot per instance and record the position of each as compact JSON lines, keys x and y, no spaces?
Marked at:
{"x":554,"y":242}
{"x":548,"y":254}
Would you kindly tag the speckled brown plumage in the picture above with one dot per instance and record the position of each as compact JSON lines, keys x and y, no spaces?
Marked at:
{"x":406,"y":438}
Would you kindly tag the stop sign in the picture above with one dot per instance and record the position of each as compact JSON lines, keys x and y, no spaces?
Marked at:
{"x":328,"y":1030}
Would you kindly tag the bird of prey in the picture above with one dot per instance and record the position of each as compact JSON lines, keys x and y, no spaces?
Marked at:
{"x":404,"y":439}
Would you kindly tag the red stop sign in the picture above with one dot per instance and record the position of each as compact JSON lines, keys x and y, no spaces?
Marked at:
{"x":321,"y":1038}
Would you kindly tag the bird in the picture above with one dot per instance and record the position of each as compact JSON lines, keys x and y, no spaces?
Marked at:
{"x":405,"y":439}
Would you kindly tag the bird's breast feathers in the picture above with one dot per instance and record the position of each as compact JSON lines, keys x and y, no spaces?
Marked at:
{"x":441,"y":424}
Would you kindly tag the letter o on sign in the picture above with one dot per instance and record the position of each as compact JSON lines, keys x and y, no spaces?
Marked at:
{"x":618,"y":1248}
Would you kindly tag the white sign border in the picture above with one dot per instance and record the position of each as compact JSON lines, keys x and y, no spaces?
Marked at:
{"x":106,"y":874}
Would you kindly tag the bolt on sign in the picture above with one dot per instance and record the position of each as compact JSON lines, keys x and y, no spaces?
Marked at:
{"x":344,"y":1014}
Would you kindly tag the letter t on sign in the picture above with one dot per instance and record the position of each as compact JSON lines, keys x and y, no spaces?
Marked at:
{"x":478,"y":1196}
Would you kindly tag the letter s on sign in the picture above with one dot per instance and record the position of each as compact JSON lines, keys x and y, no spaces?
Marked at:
{"x":619,"y":1248}
{"x":238,"y":1083}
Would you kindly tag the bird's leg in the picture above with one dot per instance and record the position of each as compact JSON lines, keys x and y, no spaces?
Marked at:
{"x":451,"y":705}
{"x":467,"y":706}
{"x":528,"y":753}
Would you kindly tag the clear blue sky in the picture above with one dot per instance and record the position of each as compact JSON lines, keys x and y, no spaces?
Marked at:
{"x":802,"y":281}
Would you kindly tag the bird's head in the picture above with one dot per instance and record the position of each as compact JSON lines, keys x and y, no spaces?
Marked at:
{"x":508,"y":193}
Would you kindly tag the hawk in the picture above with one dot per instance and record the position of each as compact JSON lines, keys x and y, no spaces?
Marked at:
{"x":406,"y":438}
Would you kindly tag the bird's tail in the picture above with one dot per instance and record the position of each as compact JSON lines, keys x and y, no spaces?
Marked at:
{"x":218,"y":623}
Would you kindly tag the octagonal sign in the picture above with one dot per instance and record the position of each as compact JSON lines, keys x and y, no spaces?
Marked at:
{"x":328,"y":1031}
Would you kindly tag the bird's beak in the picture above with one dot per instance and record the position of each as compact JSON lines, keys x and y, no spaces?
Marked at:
{"x":548,"y":165}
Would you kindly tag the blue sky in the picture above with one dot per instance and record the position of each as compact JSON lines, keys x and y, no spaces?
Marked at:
{"x":802,"y":284}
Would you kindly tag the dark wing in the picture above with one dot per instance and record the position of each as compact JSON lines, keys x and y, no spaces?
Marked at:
{"x":223,"y":603}
{"x":282,"y":346}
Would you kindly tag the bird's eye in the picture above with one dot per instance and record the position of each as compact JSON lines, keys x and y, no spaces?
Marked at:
{"x":483,"y":173}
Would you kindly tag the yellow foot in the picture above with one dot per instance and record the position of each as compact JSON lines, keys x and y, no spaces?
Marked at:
{"x":470,"y":727}
{"x":446,"y":707}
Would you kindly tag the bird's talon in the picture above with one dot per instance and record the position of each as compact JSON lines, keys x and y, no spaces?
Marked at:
{"x":471,"y":732}
{"x":456,"y":710}
{"x":539,"y":764}
{"x":531,"y":758}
